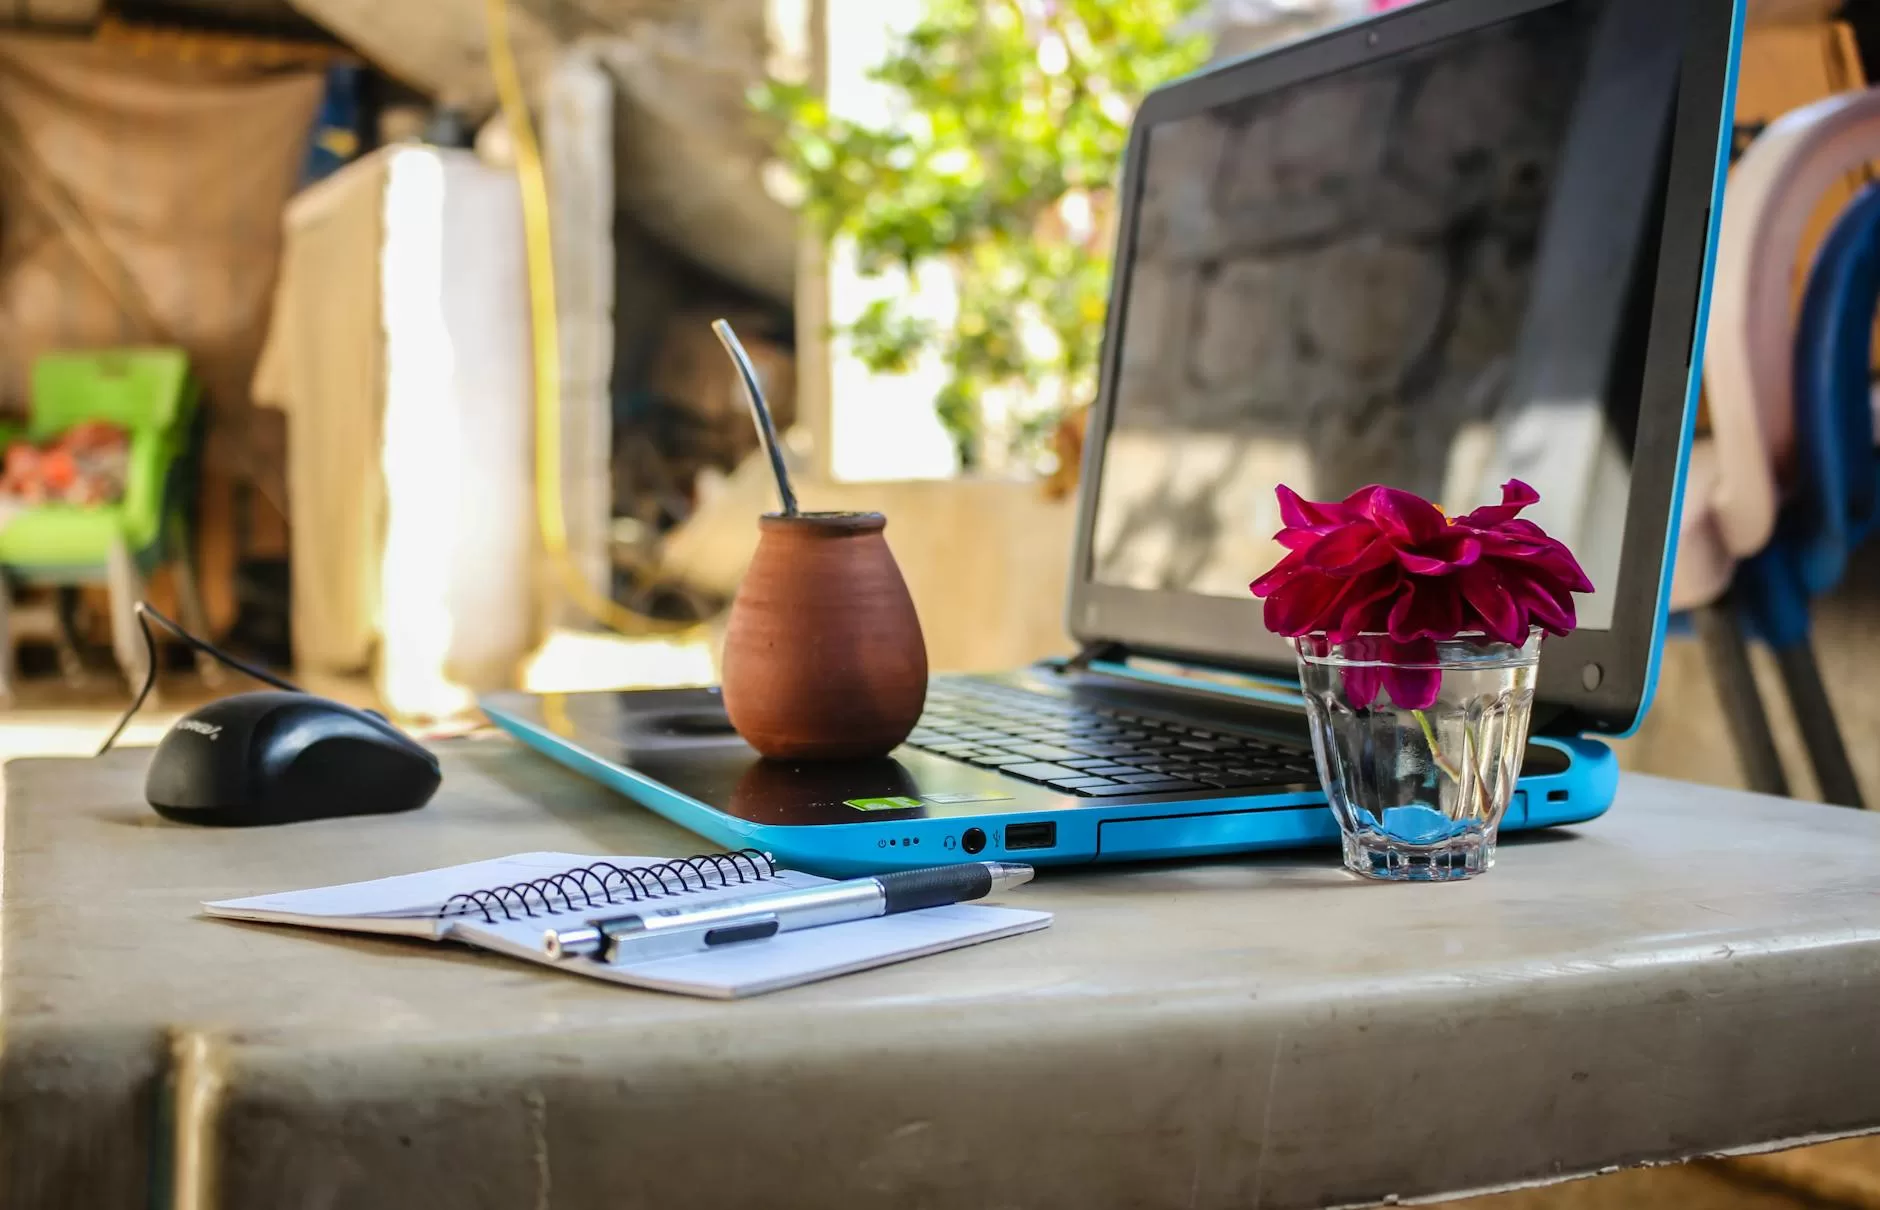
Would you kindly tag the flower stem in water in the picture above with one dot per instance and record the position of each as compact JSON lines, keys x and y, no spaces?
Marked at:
{"x":1436,"y":749}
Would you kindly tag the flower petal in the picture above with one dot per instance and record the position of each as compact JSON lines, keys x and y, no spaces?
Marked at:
{"x":1560,"y":563}
{"x":1406,"y":518}
{"x":1303,"y":604}
{"x":1363,"y":607}
{"x":1416,"y":652}
{"x":1274,"y":580}
{"x":1312,"y":602}
{"x":1537,"y":605}
{"x":1299,"y":539}
{"x":1349,"y":550}
{"x":1520,"y":542}
{"x":1447,"y":555}
{"x":1408,"y":671}
{"x":1430,"y":608}
{"x":1563,"y":600}
{"x":1515,"y":496}
{"x":1403,"y":517}
{"x":1362,"y":682}
{"x":1413,"y":688}
{"x":1490,"y":603}
{"x":1525,"y":531}
{"x":1296,"y":512}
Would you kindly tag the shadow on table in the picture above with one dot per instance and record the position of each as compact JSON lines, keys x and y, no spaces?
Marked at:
{"x":610,"y":822}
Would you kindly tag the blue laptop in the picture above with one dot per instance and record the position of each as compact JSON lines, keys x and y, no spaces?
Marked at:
{"x":1463,"y":242}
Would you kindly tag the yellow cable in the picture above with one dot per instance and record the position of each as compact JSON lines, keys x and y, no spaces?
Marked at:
{"x":544,"y":327}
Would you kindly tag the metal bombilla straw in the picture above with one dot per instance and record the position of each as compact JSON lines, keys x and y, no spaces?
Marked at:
{"x":760,"y":413}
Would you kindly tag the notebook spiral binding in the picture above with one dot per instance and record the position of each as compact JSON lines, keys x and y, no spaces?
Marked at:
{"x":605,"y":883}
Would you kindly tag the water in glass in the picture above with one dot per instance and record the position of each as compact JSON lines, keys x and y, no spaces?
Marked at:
{"x":1419,"y":747}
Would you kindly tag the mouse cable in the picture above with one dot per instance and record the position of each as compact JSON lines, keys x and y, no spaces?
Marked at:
{"x":146,"y":613}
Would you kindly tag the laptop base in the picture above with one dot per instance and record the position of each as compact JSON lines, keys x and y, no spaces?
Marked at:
{"x":669,"y":751}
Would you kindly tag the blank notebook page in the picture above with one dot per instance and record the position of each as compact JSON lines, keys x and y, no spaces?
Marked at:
{"x":422,"y":894}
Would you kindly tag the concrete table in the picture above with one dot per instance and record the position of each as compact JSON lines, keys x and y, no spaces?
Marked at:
{"x":1697,"y":973}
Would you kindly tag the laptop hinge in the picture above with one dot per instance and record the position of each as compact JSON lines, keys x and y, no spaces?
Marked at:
{"x":1090,"y":653}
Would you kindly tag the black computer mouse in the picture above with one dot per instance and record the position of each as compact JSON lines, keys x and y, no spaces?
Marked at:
{"x":266,"y":758}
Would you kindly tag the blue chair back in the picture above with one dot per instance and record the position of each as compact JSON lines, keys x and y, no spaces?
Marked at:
{"x":1834,"y":503}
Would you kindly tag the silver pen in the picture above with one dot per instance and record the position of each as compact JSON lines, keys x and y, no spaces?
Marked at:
{"x":660,"y":932}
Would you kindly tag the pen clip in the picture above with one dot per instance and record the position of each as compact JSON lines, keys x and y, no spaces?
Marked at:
{"x":644,"y":946}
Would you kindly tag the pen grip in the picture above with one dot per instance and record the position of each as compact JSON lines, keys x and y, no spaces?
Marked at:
{"x":912,"y":890}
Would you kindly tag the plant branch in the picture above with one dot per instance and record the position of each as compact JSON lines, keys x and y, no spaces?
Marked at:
{"x":977,"y":148}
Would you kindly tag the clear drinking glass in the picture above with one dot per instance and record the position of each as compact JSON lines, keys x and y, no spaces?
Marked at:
{"x":1419,"y":746}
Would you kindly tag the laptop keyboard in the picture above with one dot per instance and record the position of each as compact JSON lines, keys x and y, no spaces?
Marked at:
{"x":1095,"y":752}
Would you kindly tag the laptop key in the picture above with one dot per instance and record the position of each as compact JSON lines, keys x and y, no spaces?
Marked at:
{"x":1080,"y":783}
{"x":1045,"y":752}
{"x":1161,"y":787}
{"x":1081,"y":751}
{"x":1039,"y":771}
{"x":1087,"y":762}
{"x":1106,"y":770}
{"x":1225,"y":781}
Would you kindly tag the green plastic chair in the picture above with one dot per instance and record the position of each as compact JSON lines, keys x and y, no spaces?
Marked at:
{"x":150,"y":393}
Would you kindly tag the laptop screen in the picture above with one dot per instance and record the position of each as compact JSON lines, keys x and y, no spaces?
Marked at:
{"x":1428,"y":271}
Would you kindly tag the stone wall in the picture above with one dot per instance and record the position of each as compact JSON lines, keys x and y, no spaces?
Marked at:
{"x":1328,"y":287}
{"x":1302,"y":273}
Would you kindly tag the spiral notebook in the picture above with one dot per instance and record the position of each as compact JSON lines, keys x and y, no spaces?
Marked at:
{"x":508,"y":903}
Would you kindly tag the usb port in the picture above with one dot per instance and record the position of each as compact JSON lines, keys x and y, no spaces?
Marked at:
{"x":1022,"y":836}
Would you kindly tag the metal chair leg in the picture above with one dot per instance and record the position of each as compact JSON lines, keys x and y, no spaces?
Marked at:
{"x":1743,"y":711}
{"x":1814,"y":713}
{"x":65,"y":637}
{"x":127,"y":639}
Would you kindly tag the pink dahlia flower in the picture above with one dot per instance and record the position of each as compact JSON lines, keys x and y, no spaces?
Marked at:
{"x":1387,"y":562}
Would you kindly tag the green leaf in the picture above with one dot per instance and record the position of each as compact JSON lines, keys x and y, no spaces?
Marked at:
{"x":887,"y":341}
{"x":965,"y":170}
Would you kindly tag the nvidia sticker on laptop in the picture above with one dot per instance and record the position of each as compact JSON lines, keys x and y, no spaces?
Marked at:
{"x":914,"y":804}
{"x":883,"y":804}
